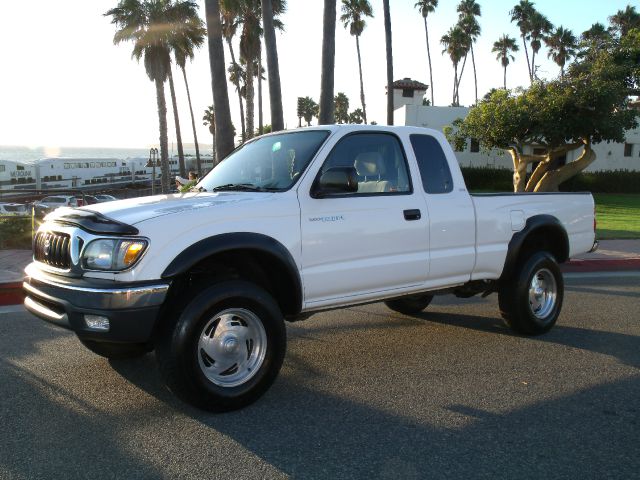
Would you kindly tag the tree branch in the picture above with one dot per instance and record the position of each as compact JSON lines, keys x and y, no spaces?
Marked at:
{"x":552,"y":179}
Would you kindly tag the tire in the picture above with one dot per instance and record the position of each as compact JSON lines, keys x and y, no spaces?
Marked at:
{"x":116,"y":350}
{"x":225,"y":348}
{"x":409,"y":305}
{"x":530,"y":301}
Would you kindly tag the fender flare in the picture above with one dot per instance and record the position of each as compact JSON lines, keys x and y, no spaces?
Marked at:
{"x":237,"y":241}
{"x":534,"y":223}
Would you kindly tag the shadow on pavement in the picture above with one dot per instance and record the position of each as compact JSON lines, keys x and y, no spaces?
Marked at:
{"x":48,"y":431}
{"x":309,"y":434}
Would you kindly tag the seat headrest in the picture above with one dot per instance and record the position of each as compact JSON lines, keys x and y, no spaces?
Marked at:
{"x":369,"y":163}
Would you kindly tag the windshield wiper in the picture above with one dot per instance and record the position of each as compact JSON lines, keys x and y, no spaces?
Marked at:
{"x":240,"y":187}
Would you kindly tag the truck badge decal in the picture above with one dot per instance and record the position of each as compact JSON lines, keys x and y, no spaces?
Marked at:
{"x":331,"y":218}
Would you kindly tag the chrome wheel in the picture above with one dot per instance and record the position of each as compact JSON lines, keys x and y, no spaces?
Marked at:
{"x":542,"y":293}
{"x":232,"y":347}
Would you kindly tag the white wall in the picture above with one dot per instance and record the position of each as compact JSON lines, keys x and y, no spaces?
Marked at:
{"x":610,"y":156}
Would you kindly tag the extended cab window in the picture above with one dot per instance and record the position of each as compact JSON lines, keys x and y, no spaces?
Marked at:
{"x":378,"y":159}
{"x":434,"y":168}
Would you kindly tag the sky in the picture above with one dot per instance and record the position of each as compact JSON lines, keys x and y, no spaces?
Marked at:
{"x":64,"y":83}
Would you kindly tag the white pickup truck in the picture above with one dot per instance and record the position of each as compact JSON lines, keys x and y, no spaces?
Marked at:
{"x":290,"y":224}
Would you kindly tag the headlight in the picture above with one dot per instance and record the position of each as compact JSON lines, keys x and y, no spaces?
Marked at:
{"x":112,"y":254}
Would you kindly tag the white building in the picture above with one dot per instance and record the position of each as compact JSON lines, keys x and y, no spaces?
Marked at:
{"x":410,"y":111}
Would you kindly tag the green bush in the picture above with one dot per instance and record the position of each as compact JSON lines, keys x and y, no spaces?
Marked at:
{"x":15,"y":233}
{"x":483,"y":179}
{"x":488,"y":179}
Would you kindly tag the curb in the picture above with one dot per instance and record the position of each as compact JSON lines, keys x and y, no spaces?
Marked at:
{"x":614,"y":265}
{"x":11,"y":294}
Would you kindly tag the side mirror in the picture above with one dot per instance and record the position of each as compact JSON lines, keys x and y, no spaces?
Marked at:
{"x":336,"y":181}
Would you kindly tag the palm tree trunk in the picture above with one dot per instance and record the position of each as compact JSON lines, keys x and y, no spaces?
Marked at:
{"x":455,"y":83}
{"x":224,"y":127}
{"x":164,"y":147}
{"x":176,"y":119}
{"x":475,"y":77}
{"x":327,"y":106}
{"x":275,"y":92}
{"x":260,"y":116}
{"x":426,"y":31}
{"x":505,"y":77}
{"x":364,"y":108}
{"x":237,"y":84}
{"x":526,"y":53}
{"x":533,"y":64}
{"x":193,"y":125}
{"x":464,"y":62}
{"x":389,"y":48}
{"x":248,"y":84}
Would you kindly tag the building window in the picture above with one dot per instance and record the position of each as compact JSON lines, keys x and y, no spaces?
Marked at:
{"x":407,"y":92}
{"x":19,"y":167}
{"x":475,"y":146}
{"x":2,"y":168}
{"x":628,"y":149}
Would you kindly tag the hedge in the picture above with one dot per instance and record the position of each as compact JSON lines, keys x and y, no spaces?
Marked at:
{"x":500,"y":180}
{"x":15,"y":233}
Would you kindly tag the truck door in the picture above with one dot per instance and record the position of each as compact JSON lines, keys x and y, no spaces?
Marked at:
{"x":452,"y":227}
{"x":372,"y":240}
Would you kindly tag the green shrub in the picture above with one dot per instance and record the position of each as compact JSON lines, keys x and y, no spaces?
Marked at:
{"x":15,"y":233}
{"x":482,"y":179}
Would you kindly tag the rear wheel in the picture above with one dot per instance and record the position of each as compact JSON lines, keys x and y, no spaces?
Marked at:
{"x":409,"y":305}
{"x":116,"y":350}
{"x":226,"y":347}
{"x":531,"y":301}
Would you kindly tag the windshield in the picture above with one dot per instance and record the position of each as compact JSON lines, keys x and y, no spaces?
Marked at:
{"x":271,"y":163}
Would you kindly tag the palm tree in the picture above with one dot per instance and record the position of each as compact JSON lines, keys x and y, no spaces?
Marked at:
{"x":229,"y":29}
{"x":328,"y":113}
{"x":223,"y":126}
{"x":426,"y":7}
{"x":540,"y":26}
{"x":151,"y":25}
{"x":341,"y":108}
{"x":503,"y":48}
{"x":455,"y":43}
{"x":562,"y":46}
{"x":248,"y":14}
{"x":209,"y":120}
{"x":521,"y":14}
{"x":469,"y":10}
{"x":275,"y":92}
{"x":594,"y":38}
{"x":387,"y":36}
{"x":183,"y":49}
{"x":309,"y":109}
{"x":353,"y":17}
{"x":625,"y":20}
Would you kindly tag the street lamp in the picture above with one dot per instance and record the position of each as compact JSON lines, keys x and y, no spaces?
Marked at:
{"x":153,"y":162}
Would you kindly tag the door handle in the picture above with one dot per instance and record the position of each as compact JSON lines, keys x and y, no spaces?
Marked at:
{"x":413,"y":214}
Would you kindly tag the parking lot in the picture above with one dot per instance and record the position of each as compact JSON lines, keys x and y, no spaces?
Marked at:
{"x":364,"y":393}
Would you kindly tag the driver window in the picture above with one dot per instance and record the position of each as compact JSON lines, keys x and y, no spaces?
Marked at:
{"x":378,"y":159}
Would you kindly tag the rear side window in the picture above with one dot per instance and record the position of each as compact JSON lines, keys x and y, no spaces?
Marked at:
{"x":434,"y":168}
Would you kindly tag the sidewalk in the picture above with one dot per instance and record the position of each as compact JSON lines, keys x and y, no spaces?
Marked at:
{"x":612,"y":256}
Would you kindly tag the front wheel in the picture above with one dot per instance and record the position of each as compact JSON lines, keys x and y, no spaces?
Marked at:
{"x":530,"y":303}
{"x":226,"y":347}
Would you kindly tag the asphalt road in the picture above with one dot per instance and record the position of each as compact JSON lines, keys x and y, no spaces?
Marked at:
{"x":364,"y":393}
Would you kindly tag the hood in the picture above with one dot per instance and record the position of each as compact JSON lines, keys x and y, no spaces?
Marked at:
{"x":136,"y":210}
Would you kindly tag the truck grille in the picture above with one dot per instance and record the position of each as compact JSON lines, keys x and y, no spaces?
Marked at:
{"x":52,"y":248}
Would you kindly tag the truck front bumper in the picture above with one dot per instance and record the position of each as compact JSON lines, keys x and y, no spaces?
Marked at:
{"x":130,"y":308}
